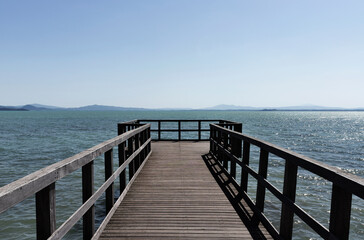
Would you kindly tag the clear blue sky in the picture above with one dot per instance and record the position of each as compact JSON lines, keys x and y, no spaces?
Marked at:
{"x":183,"y":53}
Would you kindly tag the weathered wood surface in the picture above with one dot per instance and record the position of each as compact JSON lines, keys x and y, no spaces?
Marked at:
{"x":175,"y":197}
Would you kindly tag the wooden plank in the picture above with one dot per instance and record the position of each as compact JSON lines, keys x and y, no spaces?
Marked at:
{"x":118,"y":202}
{"x":175,"y":197}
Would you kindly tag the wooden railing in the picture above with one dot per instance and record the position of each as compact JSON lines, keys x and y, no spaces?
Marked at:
{"x":224,"y":148}
{"x":179,"y":128}
{"x":133,"y":150}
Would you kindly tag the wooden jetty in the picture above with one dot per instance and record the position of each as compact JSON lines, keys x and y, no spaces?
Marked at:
{"x":183,"y":187}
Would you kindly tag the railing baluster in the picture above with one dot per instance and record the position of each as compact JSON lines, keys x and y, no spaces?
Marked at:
{"x":46,"y":211}
{"x":137,"y":158}
{"x":159,"y":130}
{"x":340,"y":212}
{"x":142,"y":141}
{"x":108,"y":173}
{"x":148,"y":136}
{"x":289,"y":190}
{"x":179,"y":130}
{"x":87,"y":191}
{"x":244,"y":175}
{"x":263,"y":167}
{"x":223,"y":156}
{"x":199,"y":130}
{"x":132,"y":163}
{"x":122,"y":177}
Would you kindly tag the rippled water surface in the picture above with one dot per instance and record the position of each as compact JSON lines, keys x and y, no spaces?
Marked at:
{"x":32,"y":140}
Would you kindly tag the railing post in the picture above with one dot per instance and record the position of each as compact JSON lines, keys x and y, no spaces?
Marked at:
{"x":132,"y":163}
{"x":121,"y":156}
{"x":219,"y":142}
{"x":108,"y":172}
{"x":232,"y":162}
{"x":340,"y":212}
{"x":137,"y":157}
{"x":211,"y":138}
{"x":245,"y":160}
{"x":289,"y":190}
{"x":142,"y":141}
{"x":224,"y":158}
{"x":87,"y":191}
{"x":159,"y":130}
{"x":236,"y":142}
{"x":179,"y":130}
{"x":46,"y":211}
{"x":199,"y":130}
{"x":148,"y":136}
{"x":263,"y":167}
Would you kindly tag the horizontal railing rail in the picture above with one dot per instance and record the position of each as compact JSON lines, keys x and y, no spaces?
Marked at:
{"x":344,"y":185}
{"x":133,"y":149}
{"x":179,"y":129}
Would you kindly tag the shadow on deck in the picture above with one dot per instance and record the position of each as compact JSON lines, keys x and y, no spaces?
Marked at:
{"x":231,"y":190}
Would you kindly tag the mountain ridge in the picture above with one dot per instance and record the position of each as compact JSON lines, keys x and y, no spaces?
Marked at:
{"x":220,"y":107}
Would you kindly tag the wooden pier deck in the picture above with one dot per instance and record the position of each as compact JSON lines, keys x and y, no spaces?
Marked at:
{"x":186,"y":185}
{"x":175,"y":197}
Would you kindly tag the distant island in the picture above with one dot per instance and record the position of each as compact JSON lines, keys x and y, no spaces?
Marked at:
{"x":222,"y":107}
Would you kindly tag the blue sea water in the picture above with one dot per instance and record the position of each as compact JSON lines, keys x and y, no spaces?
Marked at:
{"x":31,"y":140}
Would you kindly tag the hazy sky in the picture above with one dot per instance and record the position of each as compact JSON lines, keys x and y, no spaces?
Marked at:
{"x":187,"y":53}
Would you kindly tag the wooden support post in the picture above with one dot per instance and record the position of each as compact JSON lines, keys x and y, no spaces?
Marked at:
{"x":159,"y":130}
{"x":108,"y":172}
{"x":219,"y":141}
{"x":233,"y":168}
{"x":45,"y":204}
{"x":211,"y":138}
{"x":148,"y":136}
{"x":224,"y":158}
{"x":87,"y":191}
{"x":199,"y":130}
{"x":179,"y":130}
{"x":131,"y":164}
{"x":142,"y":141}
{"x":122,"y":176}
{"x":137,"y":158}
{"x":121,"y":128}
{"x":289,"y":190}
{"x":263,"y":167}
{"x":244,"y":175}
{"x":235,"y":142}
{"x":340,"y":212}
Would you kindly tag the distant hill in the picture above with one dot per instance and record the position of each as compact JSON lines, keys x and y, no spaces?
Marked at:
{"x":5,"y":108}
{"x":105,"y":108}
{"x":34,"y":108}
{"x":221,"y":107}
{"x":231,"y":107}
{"x":290,"y":108}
